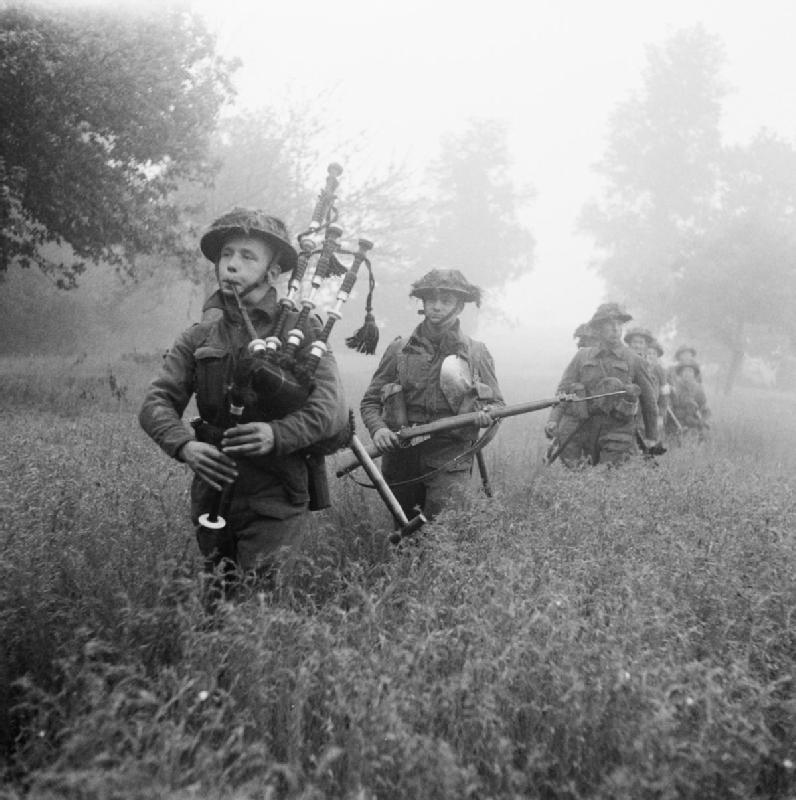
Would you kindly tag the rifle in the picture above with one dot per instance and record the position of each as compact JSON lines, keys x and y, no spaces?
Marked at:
{"x":428,"y":429}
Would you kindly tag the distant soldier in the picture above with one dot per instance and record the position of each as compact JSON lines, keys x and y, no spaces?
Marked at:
{"x":684,"y":353}
{"x":607,"y":433}
{"x":641,"y":340}
{"x":436,"y":372}
{"x":689,"y":402}
{"x":565,"y":418}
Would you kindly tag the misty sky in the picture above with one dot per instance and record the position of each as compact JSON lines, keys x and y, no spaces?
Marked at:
{"x":403,"y":73}
{"x":407,"y":72}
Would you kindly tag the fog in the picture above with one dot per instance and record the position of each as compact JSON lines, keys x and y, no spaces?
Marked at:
{"x":403,"y":74}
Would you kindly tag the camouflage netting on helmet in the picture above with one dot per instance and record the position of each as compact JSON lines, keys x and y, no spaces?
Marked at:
{"x":447,"y":280}
{"x":249,"y":222}
{"x":585,"y":336}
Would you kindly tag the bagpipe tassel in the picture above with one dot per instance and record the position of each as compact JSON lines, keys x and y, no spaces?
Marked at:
{"x":366,"y":339}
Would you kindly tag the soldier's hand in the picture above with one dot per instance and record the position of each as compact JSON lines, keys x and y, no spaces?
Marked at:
{"x":386,"y":440}
{"x":484,"y":419}
{"x":551,"y":429}
{"x":209,"y":463}
{"x":249,"y":439}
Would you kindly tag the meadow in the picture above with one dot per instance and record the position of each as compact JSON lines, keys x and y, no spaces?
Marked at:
{"x":623,"y":634}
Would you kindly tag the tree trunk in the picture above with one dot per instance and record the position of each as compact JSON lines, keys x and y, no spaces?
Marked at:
{"x":736,"y":360}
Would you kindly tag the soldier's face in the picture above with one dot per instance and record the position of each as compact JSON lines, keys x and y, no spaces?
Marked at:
{"x":638,"y":344}
{"x":610,"y":331}
{"x":244,"y":261}
{"x":441,"y":306}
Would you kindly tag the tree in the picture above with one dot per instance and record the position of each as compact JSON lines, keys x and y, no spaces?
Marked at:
{"x":660,"y":172}
{"x":472,"y":219}
{"x":691,"y":232}
{"x":742,"y":272}
{"x":104,"y":114}
{"x":276,"y":158}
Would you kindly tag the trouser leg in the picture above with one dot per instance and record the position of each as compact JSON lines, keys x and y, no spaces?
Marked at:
{"x":218,"y":547}
{"x":573,"y":435}
{"x":399,"y":470}
{"x":443,"y":489}
{"x":616,"y":444}
{"x":266,"y":544}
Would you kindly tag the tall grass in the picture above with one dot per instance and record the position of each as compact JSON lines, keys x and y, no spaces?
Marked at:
{"x":605,"y":634}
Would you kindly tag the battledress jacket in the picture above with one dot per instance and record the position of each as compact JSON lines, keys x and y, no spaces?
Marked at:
{"x":415,"y":364}
{"x":201,"y":363}
{"x":591,"y":364}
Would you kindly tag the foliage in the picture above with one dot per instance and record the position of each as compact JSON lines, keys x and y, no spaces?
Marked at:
{"x":660,"y":170}
{"x":605,"y":633}
{"x":276,"y":157}
{"x":473,"y":214}
{"x":747,"y":249}
{"x":691,"y":231}
{"x":104,"y":114}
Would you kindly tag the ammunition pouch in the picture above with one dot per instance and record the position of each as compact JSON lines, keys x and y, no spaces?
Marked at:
{"x":393,"y":406}
{"x":331,"y":444}
{"x":484,"y":392}
{"x":622,"y":408}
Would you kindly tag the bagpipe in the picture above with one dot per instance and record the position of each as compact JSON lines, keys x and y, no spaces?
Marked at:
{"x":274,"y":376}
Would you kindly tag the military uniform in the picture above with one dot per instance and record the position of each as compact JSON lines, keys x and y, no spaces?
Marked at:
{"x":425,"y":474}
{"x":685,"y":353}
{"x":270,"y":494}
{"x":565,"y":418}
{"x":689,"y":402}
{"x":606,"y":433}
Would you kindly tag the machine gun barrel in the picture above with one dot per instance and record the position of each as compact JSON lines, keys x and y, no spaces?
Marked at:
{"x":406,"y":434}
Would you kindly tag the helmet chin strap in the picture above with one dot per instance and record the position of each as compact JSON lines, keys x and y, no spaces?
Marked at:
{"x":451,"y":315}
{"x":259,"y":282}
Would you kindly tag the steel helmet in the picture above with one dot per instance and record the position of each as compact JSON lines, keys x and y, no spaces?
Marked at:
{"x":250,"y":222}
{"x":638,"y":330}
{"x":448,"y":280}
{"x":610,"y":311}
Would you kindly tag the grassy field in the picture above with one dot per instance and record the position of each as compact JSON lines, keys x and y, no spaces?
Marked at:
{"x":598,"y":634}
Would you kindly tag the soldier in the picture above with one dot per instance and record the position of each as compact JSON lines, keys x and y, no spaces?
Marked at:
{"x":261,"y":458}
{"x":684,"y":353}
{"x":565,"y":418}
{"x":638,"y":339}
{"x":689,"y":402}
{"x":607,"y":433}
{"x":436,"y":372}
{"x":641,"y":341}
{"x":585,"y":336}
